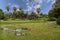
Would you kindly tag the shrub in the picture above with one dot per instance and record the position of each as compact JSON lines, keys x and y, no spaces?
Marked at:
{"x":58,"y":21}
{"x":51,"y":19}
{"x":6,"y":17}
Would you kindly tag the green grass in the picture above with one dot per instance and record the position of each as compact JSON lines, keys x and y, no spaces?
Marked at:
{"x":17,"y":21}
{"x":39,"y":31}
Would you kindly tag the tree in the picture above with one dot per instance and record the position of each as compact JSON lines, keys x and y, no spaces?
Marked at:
{"x":20,"y":8}
{"x":14,"y":13}
{"x":26,"y":15}
{"x":7,"y":8}
{"x":55,"y":12}
{"x":52,"y":14}
{"x":1,"y":14}
{"x":14,"y":8}
{"x":38,"y":10}
{"x":56,"y":7}
{"x":20,"y":13}
{"x":32,"y":16}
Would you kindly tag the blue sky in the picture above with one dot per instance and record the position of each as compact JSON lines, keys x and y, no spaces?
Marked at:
{"x":27,"y":5}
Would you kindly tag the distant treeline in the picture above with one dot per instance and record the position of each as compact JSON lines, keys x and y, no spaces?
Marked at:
{"x":20,"y":14}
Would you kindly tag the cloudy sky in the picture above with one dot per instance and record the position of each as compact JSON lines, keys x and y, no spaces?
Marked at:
{"x":28,"y":5}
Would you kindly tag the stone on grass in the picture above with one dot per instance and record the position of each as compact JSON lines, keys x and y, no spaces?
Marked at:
{"x":5,"y":29}
{"x":26,"y":29}
{"x":18,"y":34}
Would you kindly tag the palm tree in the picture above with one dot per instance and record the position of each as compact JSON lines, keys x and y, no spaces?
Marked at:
{"x":38,"y":10}
{"x":14,"y":8}
{"x":7,"y":8}
{"x":14,"y":12}
{"x":20,"y":8}
{"x":21,"y":14}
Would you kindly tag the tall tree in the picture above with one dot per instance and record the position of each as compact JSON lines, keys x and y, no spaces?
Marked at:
{"x":7,"y":8}
{"x":1,"y":14}
{"x":38,"y":10}
{"x":14,"y":8}
{"x":20,"y":8}
{"x":56,"y":11}
{"x":14,"y":12}
{"x":21,"y":12}
{"x":56,"y":7}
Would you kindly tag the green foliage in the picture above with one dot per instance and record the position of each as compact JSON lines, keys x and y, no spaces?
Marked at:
{"x":43,"y":15}
{"x":6,"y":17}
{"x":26,"y":15}
{"x":7,"y":8}
{"x":57,"y":13}
{"x":32,"y":16}
{"x":51,"y":19}
{"x":14,"y":13}
{"x":38,"y":10}
{"x":58,"y":21}
{"x":52,"y":15}
{"x":56,"y":7}
{"x":14,"y":8}
{"x":1,"y":14}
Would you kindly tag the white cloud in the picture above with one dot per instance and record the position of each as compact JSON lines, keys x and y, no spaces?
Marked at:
{"x":33,"y":4}
{"x":37,"y":6}
{"x":9,"y":4}
{"x":17,"y":9}
{"x":38,"y":1}
{"x":27,"y":3}
{"x":26,"y":0}
{"x":53,"y":1}
{"x":48,"y":1}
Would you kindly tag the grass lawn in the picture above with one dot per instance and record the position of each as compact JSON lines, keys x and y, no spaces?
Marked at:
{"x":39,"y":30}
{"x":18,"y":21}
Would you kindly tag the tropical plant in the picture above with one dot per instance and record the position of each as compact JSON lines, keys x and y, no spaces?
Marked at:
{"x":38,"y":10}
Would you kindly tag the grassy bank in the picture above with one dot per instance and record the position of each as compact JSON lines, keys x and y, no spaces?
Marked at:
{"x":39,"y":31}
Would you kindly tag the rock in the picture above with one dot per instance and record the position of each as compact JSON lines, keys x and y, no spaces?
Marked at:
{"x":17,"y":30}
{"x":26,"y":29}
{"x":23,"y":34}
{"x":18,"y":34}
{"x":5,"y":29}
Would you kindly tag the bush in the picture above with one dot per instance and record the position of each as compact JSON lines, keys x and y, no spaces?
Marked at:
{"x":51,"y":19}
{"x":6,"y":17}
{"x":58,"y":21}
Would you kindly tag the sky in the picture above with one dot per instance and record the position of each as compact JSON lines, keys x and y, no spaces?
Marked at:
{"x":27,"y":5}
